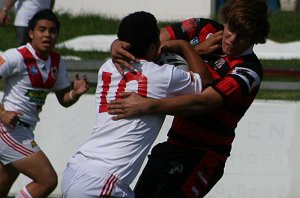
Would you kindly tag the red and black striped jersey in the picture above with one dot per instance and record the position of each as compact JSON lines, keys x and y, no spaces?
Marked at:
{"x":237,"y":79}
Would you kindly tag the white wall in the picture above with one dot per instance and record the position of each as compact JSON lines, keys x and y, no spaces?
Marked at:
{"x":164,"y":10}
{"x":264,"y":160}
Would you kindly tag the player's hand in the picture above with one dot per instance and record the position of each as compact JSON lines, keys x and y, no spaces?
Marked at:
{"x":211,"y":44}
{"x":2,"y":17}
{"x":120,"y":56}
{"x":174,"y":46}
{"x":80,"y":85}
{"x":131,"y":105}
{"x":10,"y":118}
{"x":5,"y":19}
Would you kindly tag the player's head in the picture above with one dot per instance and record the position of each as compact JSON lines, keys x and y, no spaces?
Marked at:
{"x":43,"y":31}
{"x":46,"y":14}
{"x":245,"y":24}
{"x":248,"y":18}
{"x":141,"y":31}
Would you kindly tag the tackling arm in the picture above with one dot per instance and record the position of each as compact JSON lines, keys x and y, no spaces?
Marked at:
{"x":133,"y":104}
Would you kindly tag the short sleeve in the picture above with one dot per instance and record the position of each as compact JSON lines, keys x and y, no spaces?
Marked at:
{"x":10,"y":63}
{"x":240,"y":82}
{"x":183,"y":82}
{"x":62,"y":80}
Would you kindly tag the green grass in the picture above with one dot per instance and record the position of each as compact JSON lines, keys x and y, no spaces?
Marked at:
{"x":285,"y":26}
{"x":279,"y":95}
{"x":73,"y":26}
{"x":282,"y":64}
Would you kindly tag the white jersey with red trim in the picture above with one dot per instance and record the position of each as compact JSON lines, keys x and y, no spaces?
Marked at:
{"x":121,"y":146}
{"x":27,"y":82}
{"x":25,"y":9}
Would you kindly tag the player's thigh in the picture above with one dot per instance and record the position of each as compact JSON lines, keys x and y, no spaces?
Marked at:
{"x":203,"y":175}
{"x":37,"y":167}
{"x":148,"y":181}
{"x":80,"y":181}
{"x":8,"y":175}
{"x":163,"y":174}
{"x":158,"y":184}
{"x":83,"y":178}
{"x":79,"y":186}
{"x":178,"y":173}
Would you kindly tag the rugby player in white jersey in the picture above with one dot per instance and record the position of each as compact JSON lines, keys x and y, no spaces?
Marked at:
{"x":30,"y":72}
{"x":107,"y":162}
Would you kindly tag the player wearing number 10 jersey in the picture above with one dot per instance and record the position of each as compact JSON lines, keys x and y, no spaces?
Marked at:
{"x":107,"y":162}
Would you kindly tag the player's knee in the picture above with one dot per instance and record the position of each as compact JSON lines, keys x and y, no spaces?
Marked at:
{"x":48,"y":179}
{"x":52,"y":181}
{"x":48,"y":186}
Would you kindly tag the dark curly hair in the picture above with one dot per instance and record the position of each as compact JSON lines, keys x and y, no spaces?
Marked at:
{"x":140,"y":30}
{"x":43,"y":14}
{"x":247,"y":18}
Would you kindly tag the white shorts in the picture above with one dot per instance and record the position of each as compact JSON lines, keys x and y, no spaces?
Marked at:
{"x":16,"y":143}
{"x":83,"y":179}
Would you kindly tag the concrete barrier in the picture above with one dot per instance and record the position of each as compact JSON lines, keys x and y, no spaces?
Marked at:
{"x":264,"y":160}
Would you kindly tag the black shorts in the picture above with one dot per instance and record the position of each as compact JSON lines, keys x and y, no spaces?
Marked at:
{"x":173,"y":171}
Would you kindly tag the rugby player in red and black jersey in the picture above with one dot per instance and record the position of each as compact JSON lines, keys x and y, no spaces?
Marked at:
{"x":193,"y":158}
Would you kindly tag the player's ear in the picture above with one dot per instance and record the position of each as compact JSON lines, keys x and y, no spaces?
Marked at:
{"x":152,"y":51}
{"x":30,"y":33}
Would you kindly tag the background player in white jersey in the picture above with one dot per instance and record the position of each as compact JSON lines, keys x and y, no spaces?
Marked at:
{"x":30,"y":72}
{"x":107,"y":162}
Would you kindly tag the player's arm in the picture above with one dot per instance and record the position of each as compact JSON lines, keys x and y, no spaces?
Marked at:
{"x":164,"y":35}
{"x":209,"y":45}
{"x":133,"y":104}
{"x":195,"y":62}
{"x":193,"y":104}
{"x":120,"y":56}
{"x":9,"y":118}
{"x":68,"y":96}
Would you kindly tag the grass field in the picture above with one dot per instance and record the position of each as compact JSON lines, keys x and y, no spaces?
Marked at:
{"x":73,"y":26}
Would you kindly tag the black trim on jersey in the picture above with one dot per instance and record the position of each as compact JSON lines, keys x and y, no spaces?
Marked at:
{"x":252,"y":62}
{"x":213,"y":85}
{"x":238,"y":110}
{"x":211,"y":124}
{"x":245,"y":89}
{"x":221,"y":149}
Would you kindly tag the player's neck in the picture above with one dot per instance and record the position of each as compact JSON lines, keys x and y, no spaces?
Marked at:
{"x":43,"y":55}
